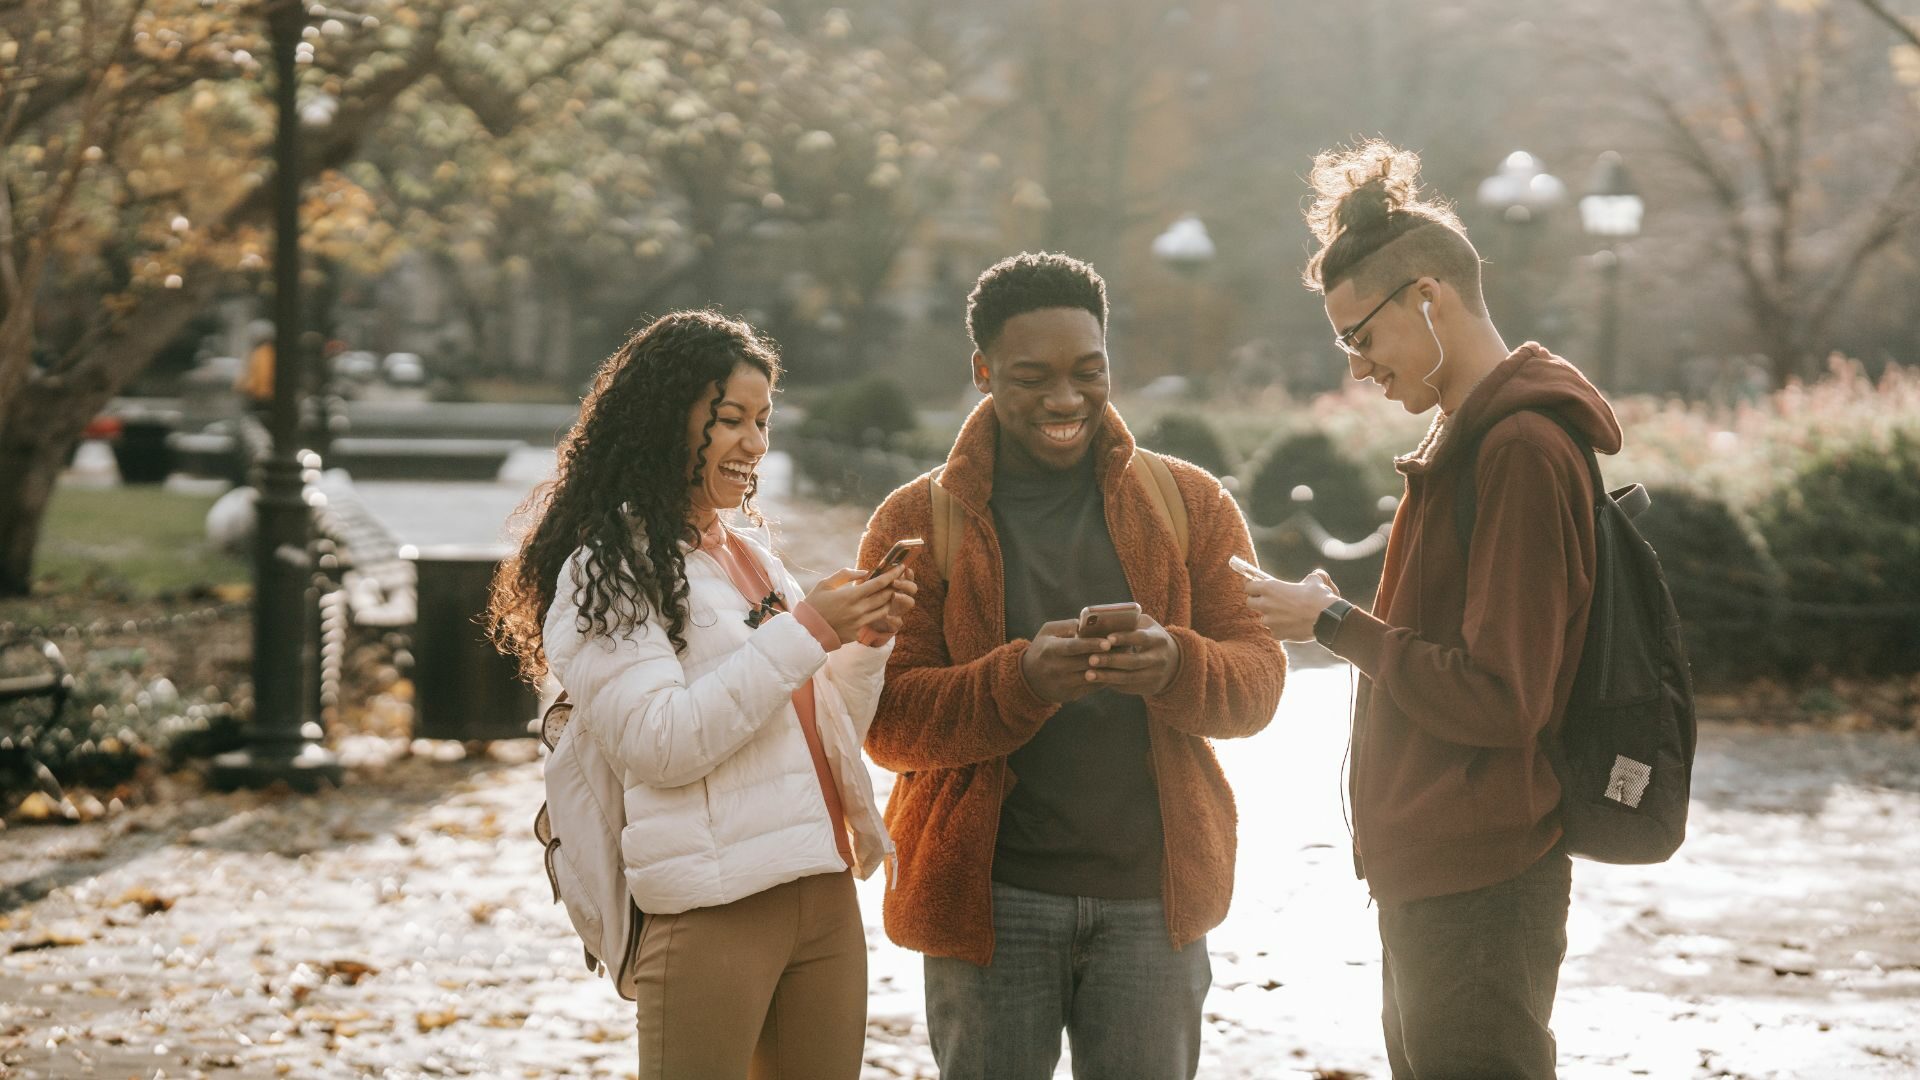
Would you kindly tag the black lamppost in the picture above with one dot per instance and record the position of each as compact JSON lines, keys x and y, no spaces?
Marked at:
{"x":1611,"y":210}
{"x":283,"y":740}
{"x":1186,"y":249}
{"x":1522,"y":193}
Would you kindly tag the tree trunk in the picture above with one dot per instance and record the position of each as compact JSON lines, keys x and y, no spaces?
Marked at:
{"x":31,"y":458}
{"x":49,"y":413}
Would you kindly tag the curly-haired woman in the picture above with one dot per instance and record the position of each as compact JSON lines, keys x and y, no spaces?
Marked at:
{"x":733,"y":708}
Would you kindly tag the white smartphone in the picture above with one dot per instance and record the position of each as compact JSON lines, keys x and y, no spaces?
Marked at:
{"x":1247,"y":570}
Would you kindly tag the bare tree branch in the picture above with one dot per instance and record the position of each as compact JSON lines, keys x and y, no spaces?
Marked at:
{"x":1900,"y":206}
{"x":1899,"y":25}
{"x":1739,"y":88}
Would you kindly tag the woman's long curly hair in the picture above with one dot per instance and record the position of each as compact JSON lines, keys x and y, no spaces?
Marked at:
{"x":620,"y":491}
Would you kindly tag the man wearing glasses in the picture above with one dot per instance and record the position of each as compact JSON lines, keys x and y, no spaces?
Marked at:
{"x":1470,"y":651}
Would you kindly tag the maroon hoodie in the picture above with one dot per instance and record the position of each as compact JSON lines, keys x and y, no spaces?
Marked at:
{"x":1468,"y":663}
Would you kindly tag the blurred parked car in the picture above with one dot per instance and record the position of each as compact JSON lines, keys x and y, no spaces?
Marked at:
{"x":405,"y":369}
{"x":357,"y":366}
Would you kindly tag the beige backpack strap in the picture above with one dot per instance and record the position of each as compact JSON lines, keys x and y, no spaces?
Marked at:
{"x":1157,"y":478}
{"x":554,"y":721}
{"x":949,"y":519}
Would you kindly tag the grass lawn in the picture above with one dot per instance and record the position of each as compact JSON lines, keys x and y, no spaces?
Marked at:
{"x":137,"y":542}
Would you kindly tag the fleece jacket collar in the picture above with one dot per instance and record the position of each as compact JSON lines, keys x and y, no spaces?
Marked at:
{"x":968,"y":475}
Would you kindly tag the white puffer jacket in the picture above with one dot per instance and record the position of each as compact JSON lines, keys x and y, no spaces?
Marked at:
{"x":721,"y":797}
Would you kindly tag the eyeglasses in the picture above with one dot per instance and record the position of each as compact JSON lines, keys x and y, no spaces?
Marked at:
{"x":1345,"y":338}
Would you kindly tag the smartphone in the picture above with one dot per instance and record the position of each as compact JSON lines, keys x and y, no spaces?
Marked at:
{"x":900,"y":552}
{"x":1247,"y":570}
{"x":1099,"y":620}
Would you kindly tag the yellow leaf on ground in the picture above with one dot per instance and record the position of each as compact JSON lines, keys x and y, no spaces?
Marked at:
{"x":150,"y":902}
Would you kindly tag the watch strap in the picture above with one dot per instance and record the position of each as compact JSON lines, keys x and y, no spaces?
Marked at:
{"x":1327,"y":625}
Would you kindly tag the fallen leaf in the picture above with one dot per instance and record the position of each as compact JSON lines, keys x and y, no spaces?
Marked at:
{"x":151,"y":903}
{"x":38,"y":806}
{"x":49,"y":940}
{"x":434,"y":1021}
{"x":349,"y":971}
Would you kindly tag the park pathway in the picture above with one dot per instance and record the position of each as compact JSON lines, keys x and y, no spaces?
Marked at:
{"x":402,"y":927}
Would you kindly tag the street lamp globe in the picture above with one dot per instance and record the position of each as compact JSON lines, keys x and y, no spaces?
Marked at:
{"x":1611,"y":207}
{"x":1522,"y":189}
{"x":318,"y":111}
{"x":1185,"y":246}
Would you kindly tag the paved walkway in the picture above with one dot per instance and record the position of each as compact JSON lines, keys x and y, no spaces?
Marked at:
{"x":402,"y":928}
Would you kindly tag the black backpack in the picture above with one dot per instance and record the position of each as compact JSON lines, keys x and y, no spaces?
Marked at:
{"x":1625,"y":753}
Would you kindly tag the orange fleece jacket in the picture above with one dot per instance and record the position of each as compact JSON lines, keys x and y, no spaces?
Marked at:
{"x":956,"y":704}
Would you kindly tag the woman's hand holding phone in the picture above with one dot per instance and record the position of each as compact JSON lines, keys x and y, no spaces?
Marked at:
{"x":850,"y":600}
{"x":876,"y":633}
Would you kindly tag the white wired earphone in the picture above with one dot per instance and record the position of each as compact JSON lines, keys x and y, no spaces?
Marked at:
{"x":1426,"y":311}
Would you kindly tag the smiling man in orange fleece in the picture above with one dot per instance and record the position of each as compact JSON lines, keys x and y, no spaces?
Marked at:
{"x":1066,"y":838}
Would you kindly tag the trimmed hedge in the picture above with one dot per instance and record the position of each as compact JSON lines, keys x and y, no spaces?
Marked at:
{"x":862,"y":412}
{"x":1341,"y":502}
{"x":1190,"y":438}
{"x":1725,"y":586}
{"x":1846,"y":534}
{"x":1790,"y":536}
{"x":115,"y":722}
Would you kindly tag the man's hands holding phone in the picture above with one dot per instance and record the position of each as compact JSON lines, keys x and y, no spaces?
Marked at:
{"x":1069,"y":659}
{"x":1055,"y":664}
{"x":1143,"y":661}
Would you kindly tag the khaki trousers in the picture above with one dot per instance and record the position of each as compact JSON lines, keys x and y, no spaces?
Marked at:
{"x":770,"y":987}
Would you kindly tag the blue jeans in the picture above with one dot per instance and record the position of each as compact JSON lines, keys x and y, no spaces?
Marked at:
{"x":1104,"y":970}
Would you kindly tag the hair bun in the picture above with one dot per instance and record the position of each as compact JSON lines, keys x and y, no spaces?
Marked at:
{"x":1359,"y":189}
{"x":1367,"y":206}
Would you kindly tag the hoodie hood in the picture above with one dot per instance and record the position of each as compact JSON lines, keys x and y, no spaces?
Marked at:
{"x":1531,"y":378}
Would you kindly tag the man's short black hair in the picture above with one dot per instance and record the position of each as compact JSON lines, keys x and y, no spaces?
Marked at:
{"x":1029,"y":282}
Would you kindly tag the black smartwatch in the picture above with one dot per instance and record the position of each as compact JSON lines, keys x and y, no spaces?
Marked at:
{"x":1328,"y":624}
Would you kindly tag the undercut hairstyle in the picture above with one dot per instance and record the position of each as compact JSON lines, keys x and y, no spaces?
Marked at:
{"x":1030,"y":282}
{"x":1377,"y":231}
{"x":621,"y":489}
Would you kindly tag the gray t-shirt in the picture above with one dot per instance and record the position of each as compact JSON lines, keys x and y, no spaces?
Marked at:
{"x":1083,"y":818}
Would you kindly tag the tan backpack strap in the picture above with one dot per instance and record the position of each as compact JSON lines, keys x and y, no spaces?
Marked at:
{"x":1157,"y":478}
{"x":554,"y":720}
{"x":948,"y":521}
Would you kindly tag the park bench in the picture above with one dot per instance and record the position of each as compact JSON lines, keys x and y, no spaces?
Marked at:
{"x":421,"y":459}
{"x":54,"y":686}
{"x":379,"y":583}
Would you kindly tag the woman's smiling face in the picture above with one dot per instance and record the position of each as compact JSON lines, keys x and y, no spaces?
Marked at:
{"x":734,"y":445}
